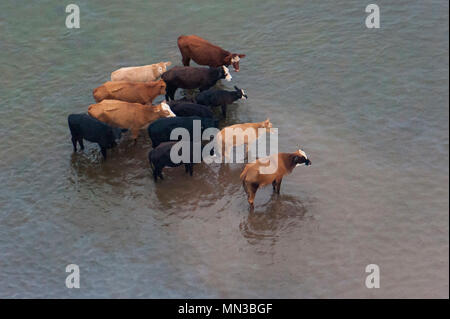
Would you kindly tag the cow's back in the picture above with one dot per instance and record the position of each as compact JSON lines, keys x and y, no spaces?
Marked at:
{"x":202,"y":51}
{"x":191,"y":109}
{"x":143,"y":73}
{"x":117,"y":113}
{"x":186,"y":77}
{"x":89,"y":128}
{"x":159,"y":131}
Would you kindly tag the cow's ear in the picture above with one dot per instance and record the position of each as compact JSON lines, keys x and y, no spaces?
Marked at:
{"x":236,"y":88}
{"x":228,"y":58}
{"x":168,"y":63}
{"x":241,"y":55}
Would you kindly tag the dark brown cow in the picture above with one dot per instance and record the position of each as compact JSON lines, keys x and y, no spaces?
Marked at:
{"x":206,"y":53}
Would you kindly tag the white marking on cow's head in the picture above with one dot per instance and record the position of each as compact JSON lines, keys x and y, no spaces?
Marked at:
{"x":235,"y":59}
{"x":302,"y":153}
{"x":244,"y":96}
{"x":227,"y":73}
{"x":160,"y":70}
{"x":166,"y":107}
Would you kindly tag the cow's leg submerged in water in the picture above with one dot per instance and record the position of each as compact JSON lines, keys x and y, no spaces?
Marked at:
{"x":276,"y":184}
{"x":74,"y":142}
{"x":80,"y":141}
{"x":253,"y":187}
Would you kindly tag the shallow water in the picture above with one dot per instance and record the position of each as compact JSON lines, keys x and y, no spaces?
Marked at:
{"x":369,"y":107}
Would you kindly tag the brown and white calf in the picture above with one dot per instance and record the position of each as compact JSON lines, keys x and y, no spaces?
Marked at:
{"x":134,"y":92}
{"x":240,"y":134}
{"x":131,"y":116}
{"x":260,"y":173}
{"x":142,"y":73}
{"x":205,"y":53}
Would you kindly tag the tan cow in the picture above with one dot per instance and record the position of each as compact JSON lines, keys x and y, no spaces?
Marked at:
{"x":260,"y":173}
{"x":135,"y":92}
{"x":238,"y":134}
{"x":143,"y":73}
{"x":131,"y":116}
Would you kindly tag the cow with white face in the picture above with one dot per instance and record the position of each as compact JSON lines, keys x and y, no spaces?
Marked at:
{"x":204,"y":52}
{"x":222,"y":98}
{"x":255,"y":174}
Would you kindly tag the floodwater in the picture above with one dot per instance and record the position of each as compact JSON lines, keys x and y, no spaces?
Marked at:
{"x":369,"y":107}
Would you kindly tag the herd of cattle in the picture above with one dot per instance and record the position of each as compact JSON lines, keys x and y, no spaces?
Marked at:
{"x":125,"y":104}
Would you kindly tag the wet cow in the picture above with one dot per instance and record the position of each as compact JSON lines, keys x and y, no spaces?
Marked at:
{"x":255,"y":176}
{"x":205,"y":53}
{"x":83,"y":126}
{"x":214,"y":98}
{"x":160,"y":130}
{"x":134,"y":92}
{"x":191,"y":109}
{"x":160,"y":157}
{"x":186,"y":77}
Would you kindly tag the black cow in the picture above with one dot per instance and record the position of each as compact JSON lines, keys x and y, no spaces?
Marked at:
{"x":188,"y":77}
{"x":192,"y":109}
{"x":185,"y":99}
{"x":159,"y":131}
{"x":83,"y":126}
{"x":221,"y":98}
{"x":159,"y":157}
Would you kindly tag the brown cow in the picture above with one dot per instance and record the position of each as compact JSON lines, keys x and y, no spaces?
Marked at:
{"x":262,"y":173}
{"x":132,"y":116}
{"x":206,"y":53}
{"x":134,"y":92}
{"x":143,"y":73}
{"x":239,"y":134}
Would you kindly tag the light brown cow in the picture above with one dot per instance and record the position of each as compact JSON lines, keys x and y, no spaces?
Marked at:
{"x":132,"y":116}
{"x":135,"y":92}
{"x":262,"y":173}
{"x":142,"y":73}
{"x":238,"y":134}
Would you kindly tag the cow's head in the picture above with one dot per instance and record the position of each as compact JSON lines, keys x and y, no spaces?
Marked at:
{"x":241,"y":93}
{"x":301,"y":158}
{"x":268,"y":126}
{"x":164,"y":110}
{"x":225,"y":73}
{"x":234,"y":58}
{"x":162,"y":67}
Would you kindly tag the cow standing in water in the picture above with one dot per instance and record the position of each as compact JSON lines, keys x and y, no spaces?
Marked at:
{"x":205,"y":53}
{"x":259,"y":173}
